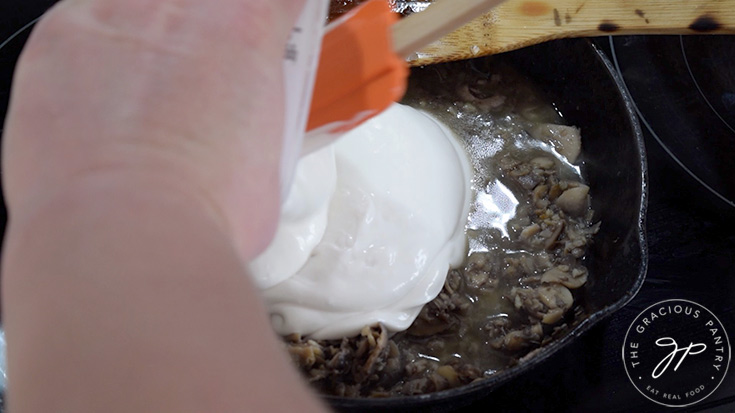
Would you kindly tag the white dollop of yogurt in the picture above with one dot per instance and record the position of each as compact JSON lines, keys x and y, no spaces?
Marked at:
{"x":369,"y":230}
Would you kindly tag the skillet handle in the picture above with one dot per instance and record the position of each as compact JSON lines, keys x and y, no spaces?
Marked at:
{"x":519,"y":23}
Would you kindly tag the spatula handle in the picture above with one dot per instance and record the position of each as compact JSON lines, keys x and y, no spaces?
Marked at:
{"x":420,"y":29}
{"x":519,"y":23}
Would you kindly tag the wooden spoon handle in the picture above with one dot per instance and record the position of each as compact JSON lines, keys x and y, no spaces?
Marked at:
{"x":519,"y":23}
{"x":420,"y":29}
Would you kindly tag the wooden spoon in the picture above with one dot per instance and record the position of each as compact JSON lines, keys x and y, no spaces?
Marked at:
{"x":518,"y":23}
{"x":363,"y":69}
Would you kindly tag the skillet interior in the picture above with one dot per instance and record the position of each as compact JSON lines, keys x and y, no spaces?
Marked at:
{"x":580,"y":81}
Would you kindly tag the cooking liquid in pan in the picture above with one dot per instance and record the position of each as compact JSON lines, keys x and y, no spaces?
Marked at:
{"x":489,"y":137}
{"x":505,"y":300}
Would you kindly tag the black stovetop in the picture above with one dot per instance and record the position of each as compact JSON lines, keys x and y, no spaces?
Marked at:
{"x":690,"y":227}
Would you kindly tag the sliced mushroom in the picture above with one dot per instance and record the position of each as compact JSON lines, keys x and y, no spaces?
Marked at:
{"x":528,"y":299}
{"x":377,"y":339}
{"x":467,"y":372}
{"x":530,"y":231}
{"x":520,"y":339}
{"x":542,"y":162}
{"x":572,"y":280}
{"x":551,"y":240}
{"x":540,"y":192}
{"x":306,"y":354}
{"x":538,"y":113}
{"x":573,"y":201}
{"x":566,"y":140}
{"x":555,"y":191}
{"x":520,"y":170}
{"x":555,"y":297}
{"x":553,"y":316}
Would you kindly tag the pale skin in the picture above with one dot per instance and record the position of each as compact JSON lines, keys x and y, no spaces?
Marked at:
{"x":140,"y":167}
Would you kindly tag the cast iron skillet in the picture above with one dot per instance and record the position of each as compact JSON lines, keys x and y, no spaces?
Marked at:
{"x":581,"y":82}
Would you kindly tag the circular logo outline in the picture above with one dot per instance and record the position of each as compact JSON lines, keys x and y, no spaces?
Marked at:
{"x":648,"y":309}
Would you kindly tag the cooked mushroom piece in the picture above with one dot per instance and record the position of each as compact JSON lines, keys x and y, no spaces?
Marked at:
{"x":566,"y":140}
{"x":375,"y":347}
{"x":530,"y":231}
{"x":306,"y":354}
{"x":558,"y":299}
{"x":573,"y":201}
{"x":542,"y":162}
{"x":558,"y":275}
{"x":524,"y":338}
{"x":547,"y":303}
{"x":551,"y":240}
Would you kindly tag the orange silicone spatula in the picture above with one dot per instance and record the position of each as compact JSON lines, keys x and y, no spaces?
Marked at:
{"x":362,"y":67}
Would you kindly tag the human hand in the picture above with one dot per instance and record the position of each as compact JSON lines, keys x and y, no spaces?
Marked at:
{"x":142,"y":144}
{"x":154,"y":96}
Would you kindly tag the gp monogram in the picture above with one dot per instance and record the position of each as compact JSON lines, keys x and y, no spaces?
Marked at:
{"x":676,"y":353}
